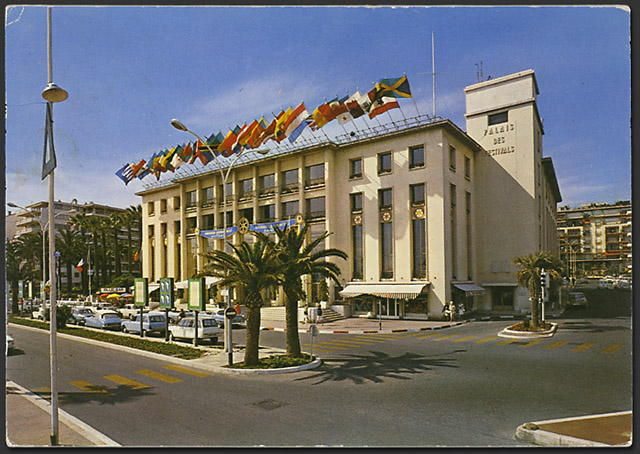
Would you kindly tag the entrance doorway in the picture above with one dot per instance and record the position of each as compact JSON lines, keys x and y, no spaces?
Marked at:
{"x":388,"y":307}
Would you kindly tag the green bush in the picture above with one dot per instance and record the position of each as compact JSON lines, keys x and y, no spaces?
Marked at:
{"x":276,"y":362}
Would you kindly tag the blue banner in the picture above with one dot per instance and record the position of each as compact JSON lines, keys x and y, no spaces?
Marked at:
{"x":218,"y":234}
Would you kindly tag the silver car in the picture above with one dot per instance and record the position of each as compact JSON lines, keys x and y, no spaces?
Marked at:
{"x":185,"y":329}
{"x":104,"y":320}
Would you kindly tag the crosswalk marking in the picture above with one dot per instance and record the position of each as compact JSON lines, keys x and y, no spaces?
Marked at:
{"x":486,"y":339}
{"x":556,"y":345}
{"x":330,"y":345}
{"x":533,"y":342}
{"x":428,"y":335}
{"x":197,"y":373}
{"x":462,"y":339}
{"x":507,"y":341}
{"x":445,"y":337}
{"x":159,"y":376}
{"x":127,"y":382}
{"x":612,"y":348}
{"x":353,"y":342}
{"x":316,"y":348}
{"x":42,"y":390}
{"x":583,"y":347}
{"x":88,"y":387}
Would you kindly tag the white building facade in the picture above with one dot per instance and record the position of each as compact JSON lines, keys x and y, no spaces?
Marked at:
{"x":426,"y":213}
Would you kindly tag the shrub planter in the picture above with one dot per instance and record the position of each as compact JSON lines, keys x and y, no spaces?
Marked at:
{"x":521,"y":331}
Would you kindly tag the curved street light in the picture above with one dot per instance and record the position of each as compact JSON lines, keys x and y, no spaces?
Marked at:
{"x":181,"y":127}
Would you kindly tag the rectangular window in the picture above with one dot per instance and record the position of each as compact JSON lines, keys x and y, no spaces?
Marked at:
{"x":176,"y":202}
{"x":452,"y":157}
{"x":386,"y":250}
{"x":356,"y":202}
{"x":207,"y":222}
{"x":385,"y":198}
{"x":192,"y":223}
{"x":267,"y":184}
{"x":454,"y":235}
{"x":191,"y":199}
{"x":246,"y":188}
{"x":290,"y":209}
{"x":315,"y":208}
{"x":267,"y":213}
{"x":151,"y":208}
{"x":163,"y":205}
{"x":355,"y":168}
{"x":467,"y":167}
{"x":497,"y":118}
{"x":289,"y":181}
{"x":357,"y":252}
{"x":384,"y":163}
{"x":207,"y":197}
{"x":247,"y":213}
{"x":417,"y":194}
{"x":416,"y":157}
{"x":419,"y":246}
{"x":229,"y":215}
{"x":229,"y":190}
{"x":314,"y":175}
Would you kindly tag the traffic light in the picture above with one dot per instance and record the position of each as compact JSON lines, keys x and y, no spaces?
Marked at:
{"x":544,"y":279}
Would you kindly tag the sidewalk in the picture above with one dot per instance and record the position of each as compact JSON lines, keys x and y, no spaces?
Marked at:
{"x":28,"y":416}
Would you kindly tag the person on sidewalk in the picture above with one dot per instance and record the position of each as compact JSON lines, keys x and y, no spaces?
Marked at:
{"x":452,"y":310}
{"x":320,"y":320}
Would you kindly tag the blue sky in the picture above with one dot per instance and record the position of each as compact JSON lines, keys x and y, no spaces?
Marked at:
{"x":130,"y":70}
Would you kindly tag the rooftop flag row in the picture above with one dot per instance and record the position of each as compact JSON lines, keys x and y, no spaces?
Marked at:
{"x":288,"y":123}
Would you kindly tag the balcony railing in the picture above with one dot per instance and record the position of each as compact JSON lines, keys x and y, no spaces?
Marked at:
{"x":314,"y":183}
{"x":289,"y":188}
{"x":247,"y":195}
{"x":267,"y":192}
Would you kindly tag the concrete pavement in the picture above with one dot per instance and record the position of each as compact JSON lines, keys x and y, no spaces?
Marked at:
{"x":28,"y":416}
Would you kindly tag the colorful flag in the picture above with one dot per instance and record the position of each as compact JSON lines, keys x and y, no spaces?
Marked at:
{"x":126,"y":173}
{"x":80,"y":265}
{"x":136,"y":256}
{"x":186,"y":152}
{"x":297,"y":116}
{"x":269,"y":131}
{"x":396,"y":88}
{"x":382,"y":105}
{"x":323,"y":115}
{"x":138,"y":168}
{"x":353,"y":104}
{"x":280,"y":125}
{"x":166,"y":159}
{"x":245,"y":135}
{"x":338,"y":106}
{"x":254,"y":138}
{"x":296,"y":132}
{"x":226,"y":146}
{"x":176,"y":161}
{"x":144,"y":172}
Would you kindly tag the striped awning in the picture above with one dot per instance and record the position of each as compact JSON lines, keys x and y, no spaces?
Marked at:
{"x":470,"y":289}
{"x":400,"y":290}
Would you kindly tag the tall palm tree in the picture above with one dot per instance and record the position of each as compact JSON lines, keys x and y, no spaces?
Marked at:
{"x":135,"y":212}
{"x":80,"y":224}
{"x":528,"y":276}
{"x":298,"y":259}
{"x":15,"y":271}
{"x":252,"y":267}
{"x":115,"y":223}
{"x":68,"y":244}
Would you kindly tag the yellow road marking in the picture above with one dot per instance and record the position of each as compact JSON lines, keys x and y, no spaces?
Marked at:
{"x":42,"y":390}
{"x":88,"y":387}
{"x":556,"y":344}
{"x":533,"y":342}
{"x":159,"y":376}
{"x":353,"y":342}
{"x":324,"y":345}
{"x":487,"y":339}
{"x":446,"y":337}
{"x":612,"y":348}
{"x":428,"y":335}
{"x":507,"y":341}
{"x":197,"y":373}
{"x":583,"y":347}
{"x":125,"y":381}
{"x":462,"y":339}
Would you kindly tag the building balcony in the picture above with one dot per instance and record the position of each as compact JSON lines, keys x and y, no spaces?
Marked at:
{"x":267,"y":192}
{"x":289,"y":188}
{"x":314,"y":183}
{"x":246,"y":196}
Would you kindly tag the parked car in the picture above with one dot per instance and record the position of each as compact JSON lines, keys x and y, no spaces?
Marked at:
{"x":577,"y":300}
{"x":153,"y":322}
{"x":130,"y":311}
{"x":104,"y":320}
{"x":79,"y":315}
{"x":218,"y":314}
{"x":185,"y":329}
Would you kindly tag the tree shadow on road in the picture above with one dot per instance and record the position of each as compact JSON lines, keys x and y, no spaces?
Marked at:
{"x":99,"y":395}
{"x":375,"y":367}
{"x":590,"y":327}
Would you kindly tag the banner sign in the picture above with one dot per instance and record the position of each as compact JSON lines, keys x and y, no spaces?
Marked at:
{"x":141,"y":292}
{"x":166,"y":293}
{"x":196,"y":294}
{"x":267,"y":229}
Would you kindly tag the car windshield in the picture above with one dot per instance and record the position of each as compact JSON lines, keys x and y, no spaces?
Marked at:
{"x":208,"y":322}
{"x":156,"y":318}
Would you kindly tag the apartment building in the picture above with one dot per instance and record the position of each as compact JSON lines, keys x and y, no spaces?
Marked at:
{"x":595,"y":238}
{"x":426,"y":212}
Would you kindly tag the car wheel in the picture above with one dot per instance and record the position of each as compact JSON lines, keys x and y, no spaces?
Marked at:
{"x":124,"y":329}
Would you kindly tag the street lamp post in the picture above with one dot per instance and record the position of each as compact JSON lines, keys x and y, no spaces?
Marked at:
{"x":52,"y":93}
{"x":224,"y":176}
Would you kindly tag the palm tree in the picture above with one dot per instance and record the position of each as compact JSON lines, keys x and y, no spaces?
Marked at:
{"x":135,"y":214}
{"x":68,"y":244}
{"x":253,"y":268}
{"x":80,"y":224}
{"x":15,"y":271}
{"x":528,"y":276}
{"x":297,"y":260}
{"x":115,"y":222}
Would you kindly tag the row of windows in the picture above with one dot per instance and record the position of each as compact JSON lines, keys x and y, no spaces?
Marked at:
{"x":385,"y":197}
{"x":416,"y":160}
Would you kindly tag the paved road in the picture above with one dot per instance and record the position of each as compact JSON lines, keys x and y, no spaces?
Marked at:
{"x":461,"y":386}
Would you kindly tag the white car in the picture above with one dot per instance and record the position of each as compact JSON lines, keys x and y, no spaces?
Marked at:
{"x":185,"y":329}
{"x":131,"y":311}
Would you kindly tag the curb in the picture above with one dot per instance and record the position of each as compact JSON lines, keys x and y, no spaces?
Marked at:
{"x":528,"y":335}
{"x":370,"y":331}
{"x":283,"y":370}
{"x":78,"y":426}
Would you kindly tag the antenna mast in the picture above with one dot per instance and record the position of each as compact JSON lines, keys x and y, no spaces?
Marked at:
{"x":433,"y":72}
